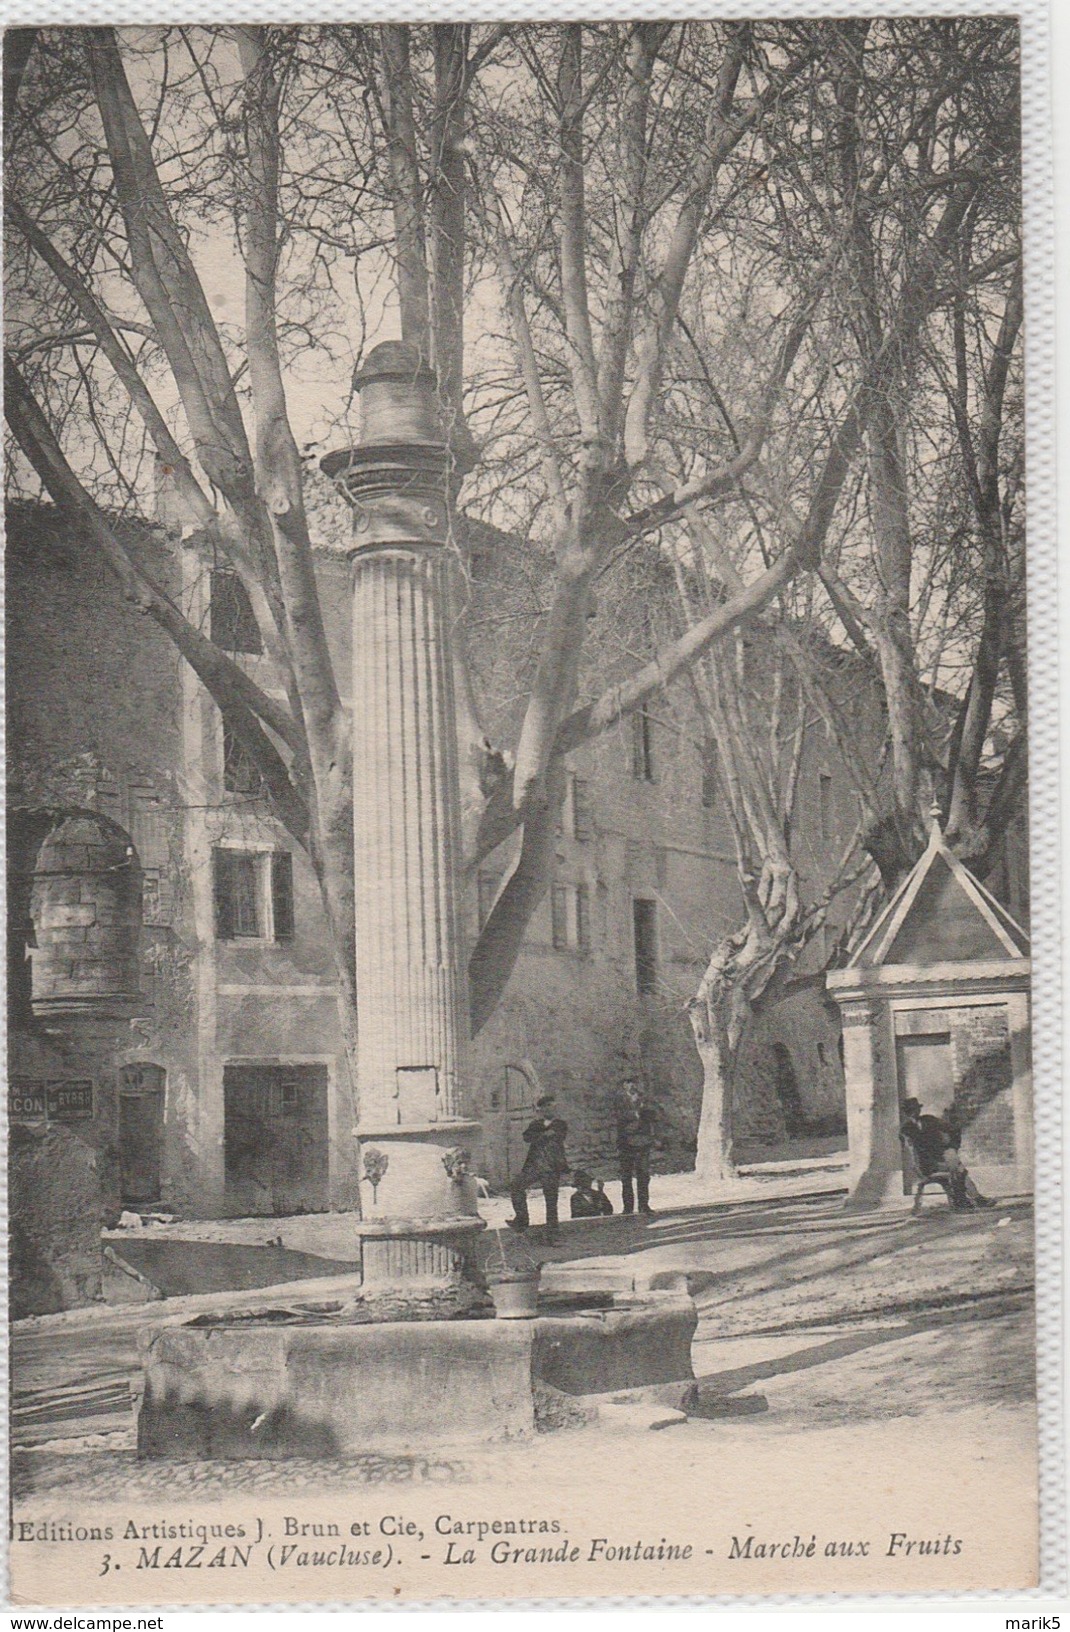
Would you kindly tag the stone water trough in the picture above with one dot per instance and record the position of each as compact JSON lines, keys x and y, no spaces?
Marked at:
{"x":313,"y":1383}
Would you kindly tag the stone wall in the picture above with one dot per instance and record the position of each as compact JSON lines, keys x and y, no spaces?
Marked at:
{"x":798,"y":1035}
{"x":56,"y":1213}
{"x":981,"y":1063}
{"x":583,"y":1033}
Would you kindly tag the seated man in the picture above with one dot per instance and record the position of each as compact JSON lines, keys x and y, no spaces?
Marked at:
{"x":933,"y":1142}
{"x":589,"y":1199}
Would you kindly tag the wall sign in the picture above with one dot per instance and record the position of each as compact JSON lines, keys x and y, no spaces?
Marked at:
{"x":70,"y":1101}
{"x":25,"y":1100}
{"x":29,"y":1101}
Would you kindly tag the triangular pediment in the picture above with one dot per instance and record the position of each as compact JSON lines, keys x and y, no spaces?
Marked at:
{"x":942,"y":914}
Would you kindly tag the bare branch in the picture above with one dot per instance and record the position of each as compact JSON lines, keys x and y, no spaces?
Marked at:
{"x":237,"y":695}
{"x":406,"y":187}
{"x":574,"y":243}
{"x":168,"y":283}
{"x":279,"y":475}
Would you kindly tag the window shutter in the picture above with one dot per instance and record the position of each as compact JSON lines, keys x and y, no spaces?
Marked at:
{"x":642,"y":746}
{"x":223,"y":892}
{"x":646,"y":946}
{"x":282,"y":895}
{"x":638,"y":748}
{"x":559,"y":915}
{"x":583,"y":918}
{"x":581,"y":808}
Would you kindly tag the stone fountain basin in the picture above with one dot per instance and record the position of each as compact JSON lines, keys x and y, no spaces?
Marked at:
{"x":323,"y":1388}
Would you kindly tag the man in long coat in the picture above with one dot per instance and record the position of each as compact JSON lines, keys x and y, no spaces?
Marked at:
{"x":635,"y":1142}
{"x":544,"y":1165}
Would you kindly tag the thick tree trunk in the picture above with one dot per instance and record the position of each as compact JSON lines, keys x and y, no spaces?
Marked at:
{"x":718,"y":1014}
{"x":714,"y":1161}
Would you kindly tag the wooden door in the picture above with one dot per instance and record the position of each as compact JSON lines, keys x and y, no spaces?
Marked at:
{"x":520,"y":1096}
{"x":141,"y":1103}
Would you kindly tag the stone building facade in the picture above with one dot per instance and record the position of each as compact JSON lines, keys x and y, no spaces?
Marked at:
{"x":223,"y":1091}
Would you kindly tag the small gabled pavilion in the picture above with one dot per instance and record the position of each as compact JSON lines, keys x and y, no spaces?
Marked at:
{"x":935,"y":1006}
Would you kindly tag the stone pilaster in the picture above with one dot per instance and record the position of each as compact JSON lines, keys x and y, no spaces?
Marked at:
{"x":1018,"y":1019}
{"x":417,"y":1141}
{"x":872,"y":1112}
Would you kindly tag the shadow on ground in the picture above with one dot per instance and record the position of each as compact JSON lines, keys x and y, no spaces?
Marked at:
{"x":179,"y":1267}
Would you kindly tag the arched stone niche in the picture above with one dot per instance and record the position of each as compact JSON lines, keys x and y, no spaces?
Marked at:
{"x":85,"y":908}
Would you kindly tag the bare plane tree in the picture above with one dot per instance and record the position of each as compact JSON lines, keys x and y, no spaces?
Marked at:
{"x":735,"y":282}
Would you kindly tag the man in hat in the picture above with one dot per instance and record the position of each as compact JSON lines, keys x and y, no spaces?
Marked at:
{"x":543,"y":1166}
{"x":635,"y":1141}
{"x":933,"y":1142}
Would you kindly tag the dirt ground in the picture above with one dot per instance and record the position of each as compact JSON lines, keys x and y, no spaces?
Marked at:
{"x":808,"y":1320}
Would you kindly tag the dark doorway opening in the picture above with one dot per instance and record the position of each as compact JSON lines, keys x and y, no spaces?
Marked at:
{"x":141,"y":1101}
{"x":644,"y":922}
{"x":275,"y":1139}
{"x":786,"y":1084}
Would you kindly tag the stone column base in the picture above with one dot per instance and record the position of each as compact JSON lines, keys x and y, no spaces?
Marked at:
{"x":414,"y":1253}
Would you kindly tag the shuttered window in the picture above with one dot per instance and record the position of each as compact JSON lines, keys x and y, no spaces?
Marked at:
{"x":236,"y":895}
{"x":644,"y":918}
{"x":642,"y":746}
{"x":241,"y":880}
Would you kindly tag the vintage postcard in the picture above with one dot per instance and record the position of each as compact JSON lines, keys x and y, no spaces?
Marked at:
{"x":533,"y":989}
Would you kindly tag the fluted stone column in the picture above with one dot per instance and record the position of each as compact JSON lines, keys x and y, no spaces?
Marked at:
{"x":416,"y":1140}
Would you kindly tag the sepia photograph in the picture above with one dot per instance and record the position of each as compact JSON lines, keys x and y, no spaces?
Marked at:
{"x":518,"y":655}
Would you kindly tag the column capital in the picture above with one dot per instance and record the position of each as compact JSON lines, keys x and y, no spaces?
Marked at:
{"x":400,"y":477}
{"x":857,"y":1013}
